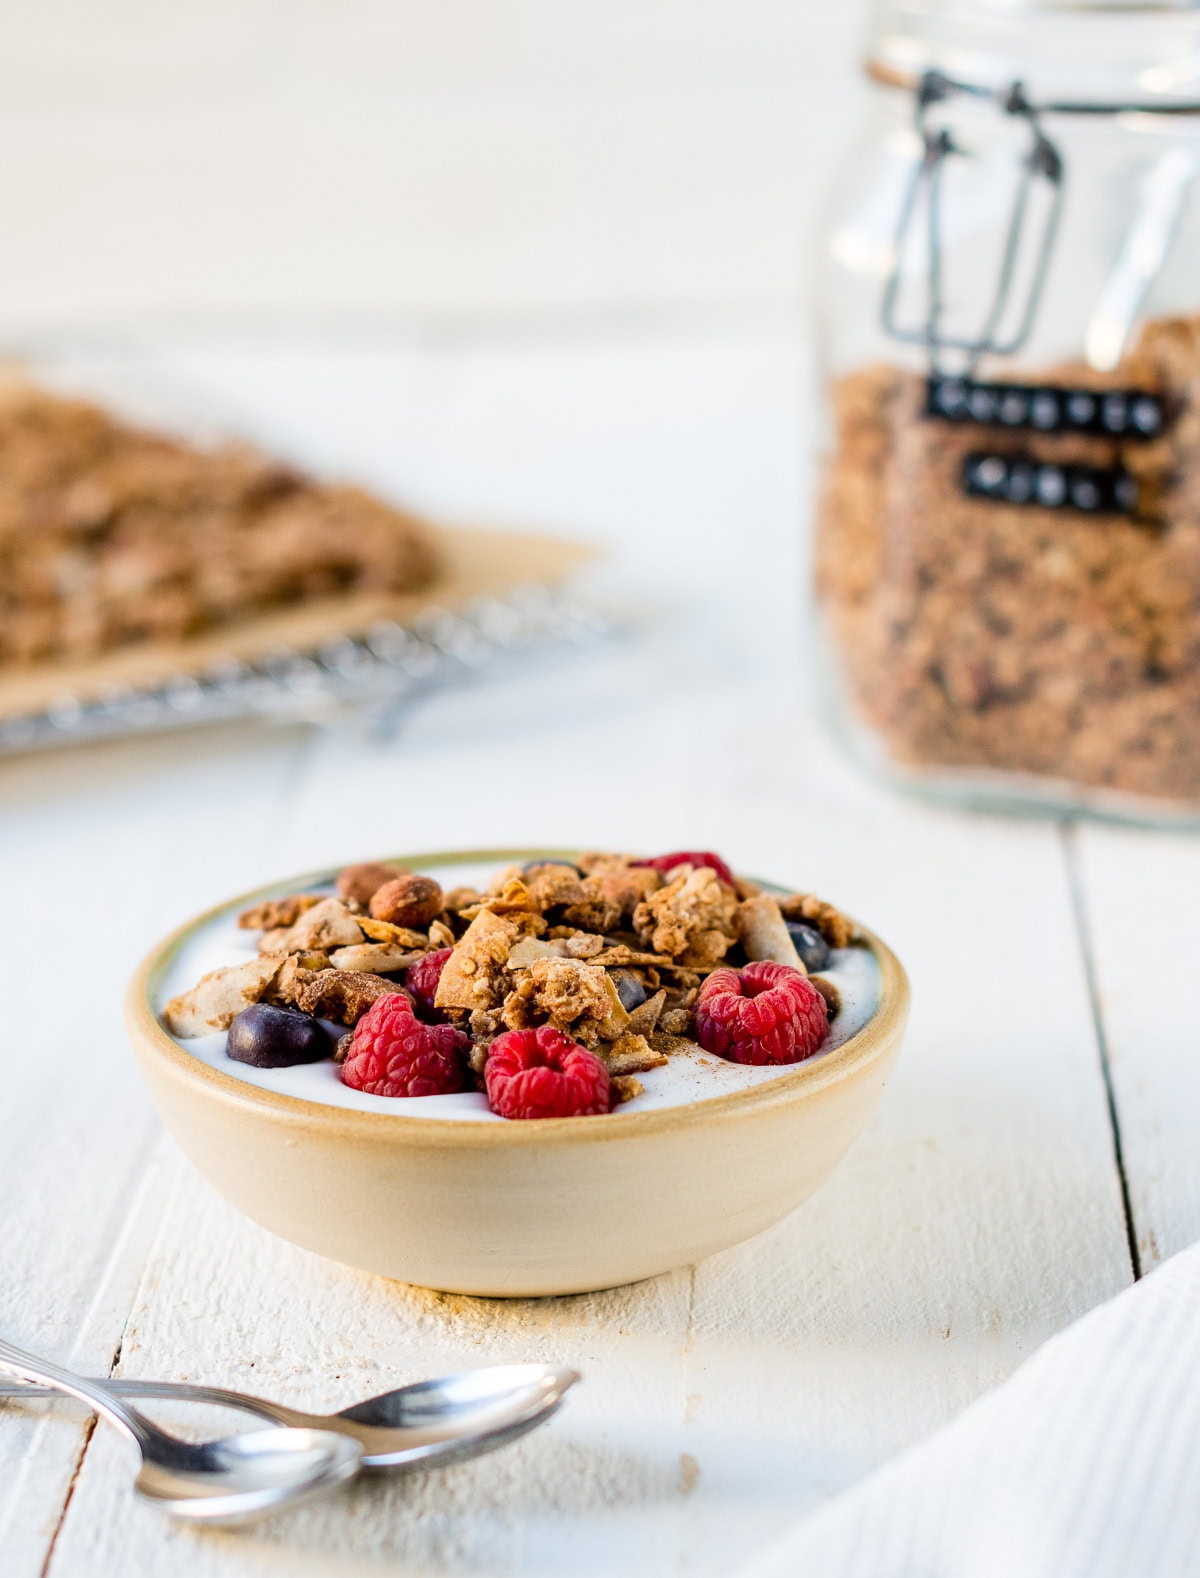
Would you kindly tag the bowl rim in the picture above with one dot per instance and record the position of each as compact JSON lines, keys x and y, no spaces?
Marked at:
{"x":807,"y":1079}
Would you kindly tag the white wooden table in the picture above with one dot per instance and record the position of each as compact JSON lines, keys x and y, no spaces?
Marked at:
{"x":1035,"y":1149}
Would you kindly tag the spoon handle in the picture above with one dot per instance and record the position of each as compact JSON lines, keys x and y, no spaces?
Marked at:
{"x":30,"y":1368}
{"x":184,"y":1391}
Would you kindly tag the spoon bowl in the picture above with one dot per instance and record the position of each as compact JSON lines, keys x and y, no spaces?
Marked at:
{"x":455,"y":1416}
{"x":245,"y":1475}
{"x":213,"y":1481}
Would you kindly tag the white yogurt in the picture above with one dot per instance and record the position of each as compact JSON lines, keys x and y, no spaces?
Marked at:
{"x":687,"y":1077}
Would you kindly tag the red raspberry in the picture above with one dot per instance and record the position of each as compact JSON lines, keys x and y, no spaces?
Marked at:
{"x":764,"y":1013}
{"x":544,"y":1074}
{"x":421,"y":980}
{"x":393,"y":1054}
{"x":690,"y":857}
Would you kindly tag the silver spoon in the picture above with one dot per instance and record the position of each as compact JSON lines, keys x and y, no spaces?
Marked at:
{"x":237,"y":1477}
{"x":419,"y":1426}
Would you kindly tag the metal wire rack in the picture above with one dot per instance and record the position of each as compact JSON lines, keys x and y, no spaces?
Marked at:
{"x":370,"y":674}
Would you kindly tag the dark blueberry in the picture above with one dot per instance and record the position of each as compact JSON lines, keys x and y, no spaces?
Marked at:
{"x":810,"y":945}
{"x":532,"y":865}
{"x":267,"y":1037}
{"x":629,"y":989}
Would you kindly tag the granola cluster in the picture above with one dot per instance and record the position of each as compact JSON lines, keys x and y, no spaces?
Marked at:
{"x":982,"y":634}
{"x":612,"y":952}
{"x":111,"y":535}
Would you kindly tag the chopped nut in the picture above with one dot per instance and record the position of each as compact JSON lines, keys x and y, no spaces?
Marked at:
{"x":219,"y":997}
{"x":591,"y":861}
{"x":643,"y":1020}
{"x":293,"y":970}
{"x":375,"y":958}
{"x":584,"y":946}
{"x":675,"y":1021}
{"x":440,"y":935}
{"x":764,"y":932}
{"x":408,"y":900}
{"x":341,"y":995}
{"x":460,"y":898}
{"x":512,"y":898}
{"x":293,"y":973}
{"x":361,"y":883}
{"x":671,"y":1044}
{"x":836,"y":928}
{"x":684,"y":984}
{"x":502,"y":879}
{"x":274,"y":914}
{"x":632,"y":1054}
{"x":397,"y":936}
{"x":531,"y":948}
{"x":328,"y":924}
{"x":596,"y":910}
{"x":621,"y":955}
{"x":486,"y":1024}
{"x":625,"y":1087}
{"x":833,"y":998}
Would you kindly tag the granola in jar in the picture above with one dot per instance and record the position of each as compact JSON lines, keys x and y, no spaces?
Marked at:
{"x":1008,"y":524}
{"x":980,"y":632}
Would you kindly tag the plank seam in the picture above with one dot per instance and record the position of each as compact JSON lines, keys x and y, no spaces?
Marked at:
{"x":89,"y":1431}
{"x":90,"y":1428}
{"x":1079,"y":906}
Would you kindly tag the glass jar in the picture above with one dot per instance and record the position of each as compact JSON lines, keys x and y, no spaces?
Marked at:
{"x":1008,"y":528}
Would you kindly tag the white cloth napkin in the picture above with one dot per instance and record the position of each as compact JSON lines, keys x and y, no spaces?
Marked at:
{"x":1084,"y":1464}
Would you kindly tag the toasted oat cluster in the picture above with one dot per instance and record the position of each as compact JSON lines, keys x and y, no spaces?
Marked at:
{"x":613,"y":952}
{"x":111,"y":535}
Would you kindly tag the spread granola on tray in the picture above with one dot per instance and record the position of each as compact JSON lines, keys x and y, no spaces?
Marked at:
{"x":550,"y":992}
{"x":112,"y":535}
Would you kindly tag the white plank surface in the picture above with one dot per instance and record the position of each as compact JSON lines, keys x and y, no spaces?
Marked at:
{"x":1141,"y":893}
{"x":980,"y":1212}
{"x":96,"y":851}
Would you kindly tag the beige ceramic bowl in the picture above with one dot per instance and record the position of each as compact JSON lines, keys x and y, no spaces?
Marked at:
{"x":557,"y":1206}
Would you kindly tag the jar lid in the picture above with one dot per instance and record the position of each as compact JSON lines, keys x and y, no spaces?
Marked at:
{"x":1136,"y":54}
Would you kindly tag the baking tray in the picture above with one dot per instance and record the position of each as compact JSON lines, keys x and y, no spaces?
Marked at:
{"x":502,"y":596}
